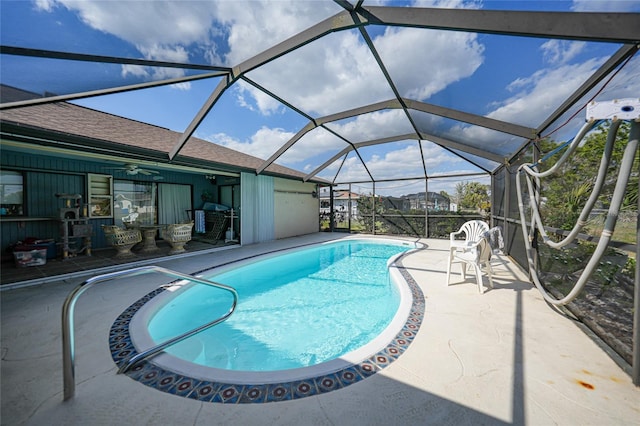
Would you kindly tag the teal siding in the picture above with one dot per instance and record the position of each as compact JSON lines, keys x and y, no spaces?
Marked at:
{"x":47,"y":175}
{"x":41,"y":199}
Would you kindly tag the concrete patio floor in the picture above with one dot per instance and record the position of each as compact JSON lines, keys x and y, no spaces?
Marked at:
{"x":503,"y":357}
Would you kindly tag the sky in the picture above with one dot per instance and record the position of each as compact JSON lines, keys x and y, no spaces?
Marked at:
{"x":514,"y":79}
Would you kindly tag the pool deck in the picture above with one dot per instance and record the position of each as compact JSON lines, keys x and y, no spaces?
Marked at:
{"x":503,"y":357}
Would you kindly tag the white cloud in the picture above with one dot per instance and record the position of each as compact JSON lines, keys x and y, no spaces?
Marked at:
{"x":626,"y":84}
{"x":161,"y":25}
{"x":424,"y":62}
{"x":543,"y":91}
{"x":135,"y":70}
{"x":253,"y":29}
{"x":147,"y":23}
{"x":561,"y":51}
{"x":606,"y":5}
{"x":332,"y":74}
{"x":398,"y":163}
{"x":258,"y":99}
{"x":534,"y":98}
{"x":449,"y":4}
{"x":314,"y":143}
{"x":374,"y":125}
{"x":339,"y":72}
{"x":45,"y":5}
{"x":159,"y":53}
{"x":352,"y":170}
{"x":262,"y":144}
{"x":336,"y":72}
{"x":184,"y":86}
{"x":346,"y":77}
{"x":160,"y":30}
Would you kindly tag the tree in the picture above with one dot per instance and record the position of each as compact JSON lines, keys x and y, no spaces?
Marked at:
{"x":367,"y":204}
{"x":566,"y":191}
{"x":473,"y":196}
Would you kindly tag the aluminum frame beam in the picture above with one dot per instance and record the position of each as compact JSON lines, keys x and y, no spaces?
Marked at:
{"x":422,"y":137}
{"x":606,"y":27}
{"x":416,"y":178}
{"x":338,"y":22}
{"x":610,"y":27}
{"x":101,"y":92}
{"x":70,"y":56}
{"x":449,"y":145}
{"x":319,"y":122}
{"x":478,"y":120}
{"x":378,"y":106}
{"x":204,"y":110}
{"x":354,"y":147}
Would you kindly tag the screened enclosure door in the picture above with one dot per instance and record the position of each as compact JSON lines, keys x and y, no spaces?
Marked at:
{"x":343,"y":203}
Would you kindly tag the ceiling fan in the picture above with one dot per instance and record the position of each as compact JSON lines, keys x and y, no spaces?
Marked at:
{"x":133,"y":169}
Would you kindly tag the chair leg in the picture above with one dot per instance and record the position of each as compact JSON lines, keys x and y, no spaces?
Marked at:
{"x":449,"y":266}
{"x":490,"y":273}
{"x":177,"y":247}
{"x":124,"y":251}
{"x":479,"y":278}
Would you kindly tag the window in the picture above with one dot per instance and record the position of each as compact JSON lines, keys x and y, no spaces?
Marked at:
{"x":11,"y":193}
{"x":100,"y":195}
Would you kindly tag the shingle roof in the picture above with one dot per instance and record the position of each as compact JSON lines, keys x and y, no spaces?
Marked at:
{"x":68,"y":119}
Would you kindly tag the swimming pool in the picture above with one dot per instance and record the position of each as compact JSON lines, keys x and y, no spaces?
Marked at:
{"x":327,"y":346}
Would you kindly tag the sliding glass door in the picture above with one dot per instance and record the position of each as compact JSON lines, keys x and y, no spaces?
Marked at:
{"x":135,"y":202}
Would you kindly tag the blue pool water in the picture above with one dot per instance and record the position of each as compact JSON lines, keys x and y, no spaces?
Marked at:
{"x":294,"y":310}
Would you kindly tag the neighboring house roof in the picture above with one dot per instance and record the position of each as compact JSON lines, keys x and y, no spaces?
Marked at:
{"x":340,"y":195}
{"x":89,"y":129}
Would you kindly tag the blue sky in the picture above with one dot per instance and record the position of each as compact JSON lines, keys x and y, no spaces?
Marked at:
{"x":519,"y":80}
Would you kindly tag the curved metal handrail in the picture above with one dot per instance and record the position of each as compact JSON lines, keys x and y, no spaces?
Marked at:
{"x":68,"y":345}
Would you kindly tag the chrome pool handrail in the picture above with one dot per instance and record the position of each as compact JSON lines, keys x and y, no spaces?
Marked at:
{"x":68,"y":344}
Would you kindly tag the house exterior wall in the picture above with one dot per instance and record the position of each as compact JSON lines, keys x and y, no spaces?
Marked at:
{"x":295,"y":209}
{"x":45,"y":175}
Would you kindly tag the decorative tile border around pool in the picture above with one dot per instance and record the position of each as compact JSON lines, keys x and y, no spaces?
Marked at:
{"x":177,"y":384}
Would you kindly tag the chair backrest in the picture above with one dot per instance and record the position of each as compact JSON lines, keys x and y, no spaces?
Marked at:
{"x":474,"y":229}
{"x":110,"y":229}
{"x":118,"y":236}
{"x":178,"y":231}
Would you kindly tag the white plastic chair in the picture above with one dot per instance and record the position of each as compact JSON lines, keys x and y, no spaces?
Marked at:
{"x":472,"y":230}
{"x":476,"y":255}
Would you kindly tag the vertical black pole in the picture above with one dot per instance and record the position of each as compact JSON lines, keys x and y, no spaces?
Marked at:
{"x":332,"y":222}
{"x":426,"y":208}
{"x":635,"y":374}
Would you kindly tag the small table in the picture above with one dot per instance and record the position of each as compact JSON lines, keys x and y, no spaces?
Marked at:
{"x":149,"y":238}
